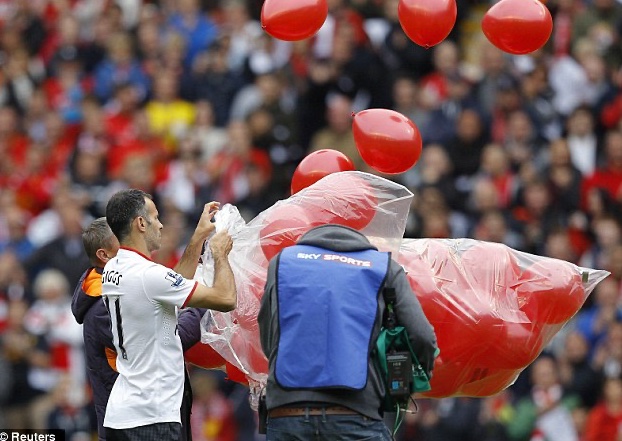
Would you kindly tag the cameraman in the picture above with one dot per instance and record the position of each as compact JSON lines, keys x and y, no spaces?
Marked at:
{"x":320,"y":316}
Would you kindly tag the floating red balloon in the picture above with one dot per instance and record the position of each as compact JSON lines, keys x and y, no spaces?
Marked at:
{"x":293,"y":20}
{"x":550,"y":291}
{"x":282,"y":228}
{"x":318,"y":164}
{"x":388,"y":141}
{"x":518,"y":26}
{"x":427,"y":22}
{"x":204,"y":356}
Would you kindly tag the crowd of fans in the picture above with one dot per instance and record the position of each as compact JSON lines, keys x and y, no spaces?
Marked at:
{"x":192,"y":101}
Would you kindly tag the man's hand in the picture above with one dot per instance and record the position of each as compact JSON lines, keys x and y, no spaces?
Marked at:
{"x":187,"y":265}
{"x":205,"y":226}
{"x":221,"y":244}
{"x":222,"y":295}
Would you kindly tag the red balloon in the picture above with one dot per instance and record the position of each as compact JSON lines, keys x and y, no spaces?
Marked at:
{"x":422,"y":282}
{"x":248,"y":348}
{"x":282,"y":228}
{"x":204,"y":356}
{"x":388,"y":141}
{"x":234,"y":374}
{"x":293,"y":20}
{"x":318,"y":164}
{"x":342,"y":199}
{"x":446,"y":379}
{"x":427,"y":22}
{"x":550,"y":291}
{"x":519,"y":345}
{"x":488,"y":382}
{"x":493,"y":270}
{"x":469,"y":330}
{"x":464,"y":319}
{"x":444,"y":262}
{"x":518,"y":26}
{"x":256,"y":285}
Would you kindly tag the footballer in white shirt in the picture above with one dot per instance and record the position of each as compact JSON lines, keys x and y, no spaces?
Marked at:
{"x":143,"y":299}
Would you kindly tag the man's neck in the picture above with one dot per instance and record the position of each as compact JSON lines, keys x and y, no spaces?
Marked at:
{"x":137,"y":245}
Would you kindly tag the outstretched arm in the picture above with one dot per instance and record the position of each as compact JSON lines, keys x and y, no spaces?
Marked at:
{"x":187,"y":265}
{"x":222,"y":295}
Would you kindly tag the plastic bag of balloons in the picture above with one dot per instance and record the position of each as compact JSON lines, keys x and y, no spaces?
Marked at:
{"x":493,"y":308}
{"x":371,"y":204}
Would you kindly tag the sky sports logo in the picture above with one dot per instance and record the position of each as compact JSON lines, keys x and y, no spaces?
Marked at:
{"x":32,"y":435}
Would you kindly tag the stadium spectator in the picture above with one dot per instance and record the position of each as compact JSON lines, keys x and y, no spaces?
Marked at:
{"x":59,"y":342}
{"x":607,"y":357}
{"x":604,"y":420}
{"x":212,"y":414}
{"x":120,"y":66}
{"x":563,"y":176}
{"x":546,"y":412}
{"x":195,"y":26}
{"x":337,"y":134}
{"x":169,"y":116}
{"x":576,"y":372}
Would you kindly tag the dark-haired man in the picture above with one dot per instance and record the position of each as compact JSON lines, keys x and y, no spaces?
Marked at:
{"x":142,"y":298}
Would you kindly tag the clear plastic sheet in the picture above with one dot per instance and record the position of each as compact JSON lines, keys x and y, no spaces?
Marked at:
{"x":493,"y":308}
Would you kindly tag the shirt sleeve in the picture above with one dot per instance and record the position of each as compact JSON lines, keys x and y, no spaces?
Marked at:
{"x":164,"y":285}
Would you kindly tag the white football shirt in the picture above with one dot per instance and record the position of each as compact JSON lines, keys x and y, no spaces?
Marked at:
{"x":143,"y":298}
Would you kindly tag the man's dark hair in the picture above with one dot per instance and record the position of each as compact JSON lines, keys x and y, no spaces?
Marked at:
{"x":97,"y":235}
{"x":123,"y":207}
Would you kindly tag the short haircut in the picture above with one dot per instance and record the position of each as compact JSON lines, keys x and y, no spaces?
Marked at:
{"x":97,"y":235}
{"x":122,"y":208}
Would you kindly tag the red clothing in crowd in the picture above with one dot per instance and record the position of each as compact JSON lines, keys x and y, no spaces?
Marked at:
{"x":601,"y":425}
{"x":212,"y":419}
{"x":612,"y":113}
{"x":606,"y":178}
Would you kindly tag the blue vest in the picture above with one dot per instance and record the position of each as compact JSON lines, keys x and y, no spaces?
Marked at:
{"x":327,"y":307}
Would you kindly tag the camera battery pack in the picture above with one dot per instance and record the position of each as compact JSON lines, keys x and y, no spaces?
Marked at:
{"x":400,"y":374}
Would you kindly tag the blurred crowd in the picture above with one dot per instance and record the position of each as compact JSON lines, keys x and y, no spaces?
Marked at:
{"x":191,"y":101}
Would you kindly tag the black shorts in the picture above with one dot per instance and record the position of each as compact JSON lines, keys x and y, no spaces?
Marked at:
{"x":150,"y":432}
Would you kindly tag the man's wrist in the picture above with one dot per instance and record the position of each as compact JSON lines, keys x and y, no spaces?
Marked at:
{"x":218,"y":258}
{"x":198,"y":239}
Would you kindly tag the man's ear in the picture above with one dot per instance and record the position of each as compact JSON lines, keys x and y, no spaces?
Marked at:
{"x":102,"y":255}
{"x":141,"y":223}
